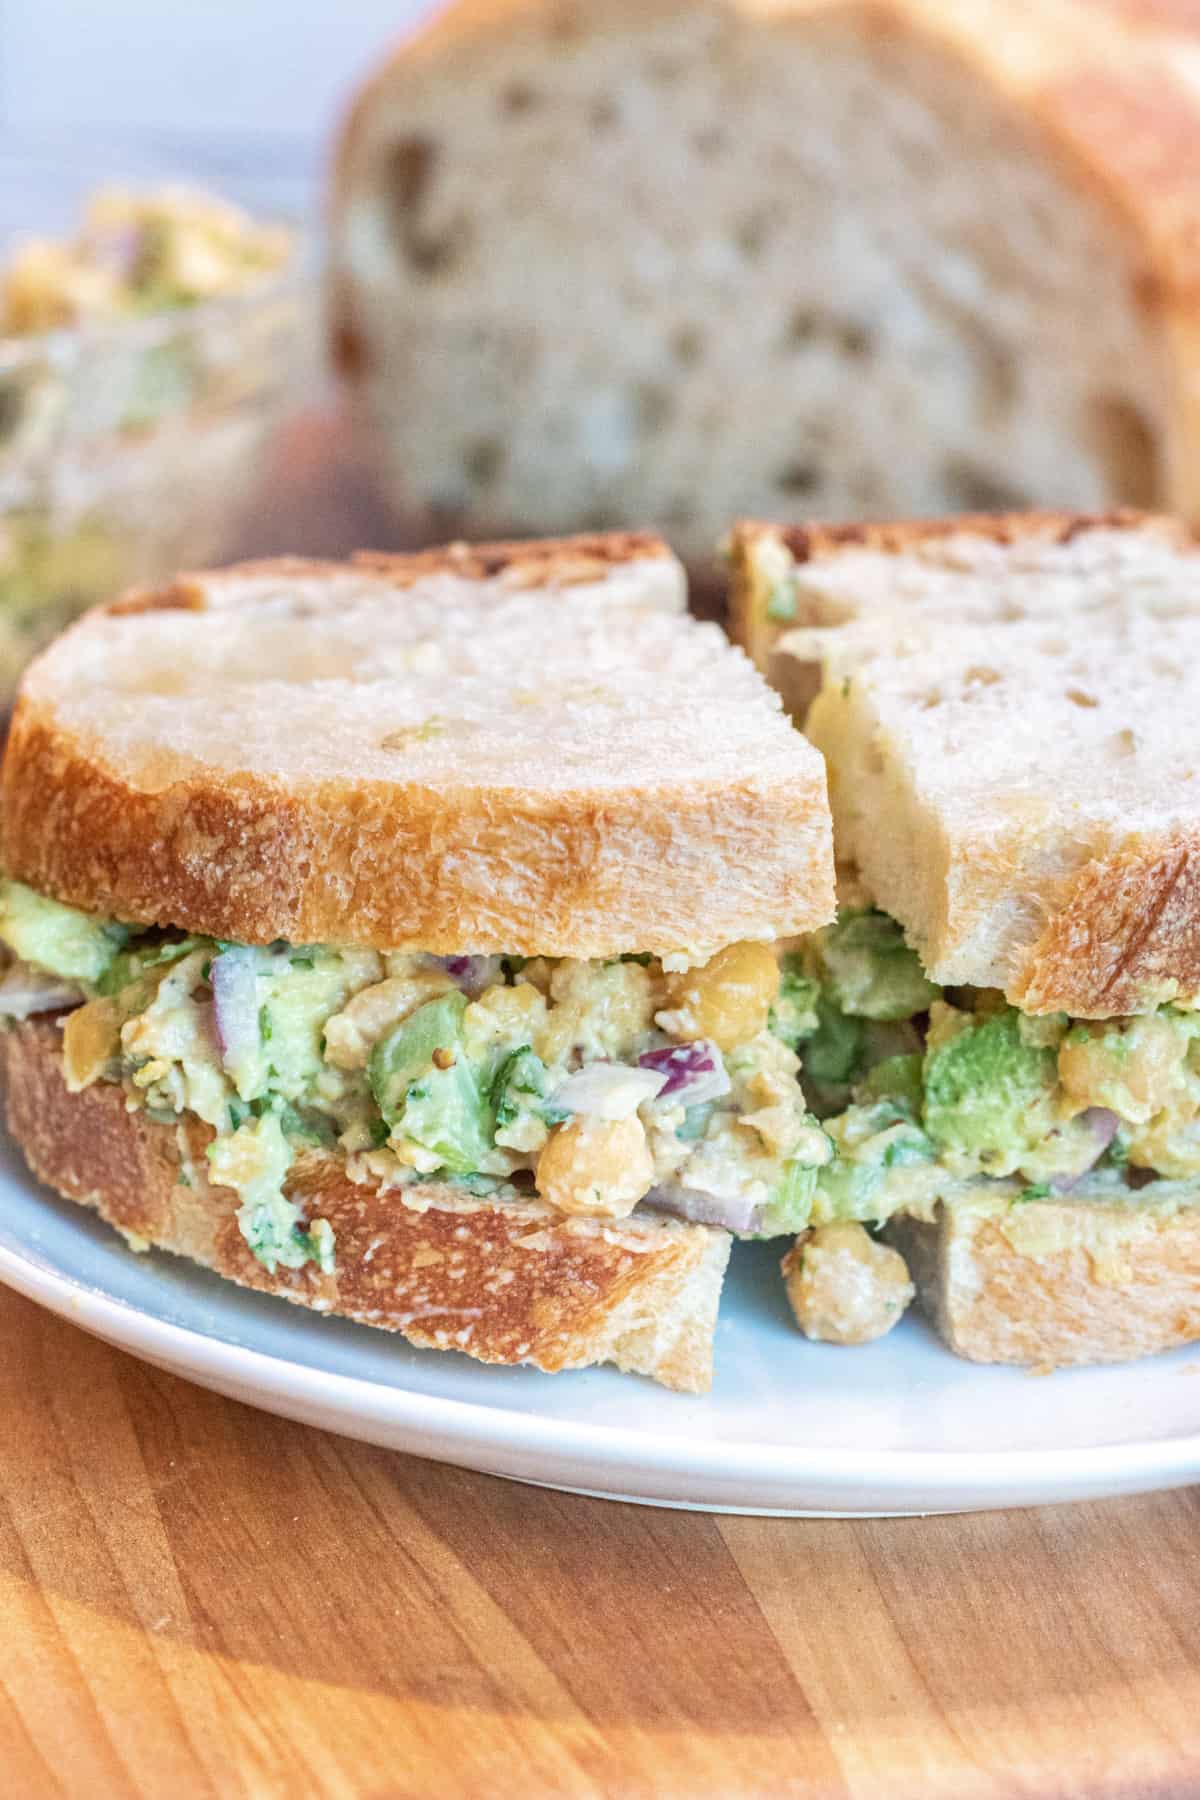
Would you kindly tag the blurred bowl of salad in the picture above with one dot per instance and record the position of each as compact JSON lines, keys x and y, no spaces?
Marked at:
{"x":143,"y":362}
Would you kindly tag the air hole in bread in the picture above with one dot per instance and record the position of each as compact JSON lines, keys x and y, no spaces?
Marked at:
{"x":801,"y":328}
{"x":347,"y":349}
{"x":1127,"y":451}
{"x":687,"y":345}
{"x":854,"y":339}
{"x":1052,"y":647}
{"x":929,"y":699}
{"x":1081,"y":697}
{"x":603,"y":113}
{"x":483,"y":460}
{"x":970,"y":488}
{"x":405,"y":180}
{"x":709,"y":141}
{"x":1124,"y":742}
{"x":409,"y":168}
{"x":798,"y":478}
{"x":751,"y":235}
{"x":519,"y":97}
{"x":978,"y":676}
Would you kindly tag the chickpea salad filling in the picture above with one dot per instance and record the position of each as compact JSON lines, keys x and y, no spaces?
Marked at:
{"x":603,"y":1085}
{"x":923,"y":1089}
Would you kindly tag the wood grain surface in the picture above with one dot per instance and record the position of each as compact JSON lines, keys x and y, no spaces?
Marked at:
{"x":200,"y":1600}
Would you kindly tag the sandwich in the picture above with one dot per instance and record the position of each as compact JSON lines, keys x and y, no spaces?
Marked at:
{"x":1002,"y":1035}
{"x":668,"y":260}
{"x":399,"y":938}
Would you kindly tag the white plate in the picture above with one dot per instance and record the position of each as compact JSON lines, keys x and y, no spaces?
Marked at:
{"x":790,"y":1427}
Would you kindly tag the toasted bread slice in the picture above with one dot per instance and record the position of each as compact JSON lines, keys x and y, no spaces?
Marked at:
{"x":447,"y":752}
{"x":958,"y":241}
{"x":1055,"y":1281}
{"x":503,"y":1280}
{"x":1004,"y":714}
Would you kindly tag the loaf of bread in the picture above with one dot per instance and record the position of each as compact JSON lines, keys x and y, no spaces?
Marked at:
{"x":665,"y":261}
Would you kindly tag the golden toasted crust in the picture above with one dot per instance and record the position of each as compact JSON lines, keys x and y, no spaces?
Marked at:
{"x":819,"y":541}
{"x":1055,"y":1282}
{"x":1125,"y":936}
{"x":503,"y":1281}
{"x":526,"y":562}
{"x":523,"y":562}
{"x":268,"y":848}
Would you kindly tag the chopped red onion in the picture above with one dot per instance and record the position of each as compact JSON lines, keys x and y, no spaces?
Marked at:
{"x":608,"y":1090}
{"x":695,"y":1072}
{"x":233,"y":976}
{"x":735,"y":1212}
{"x":25,"y":992}
{"x":472,"y":973}
{"x":1102,"y":1125}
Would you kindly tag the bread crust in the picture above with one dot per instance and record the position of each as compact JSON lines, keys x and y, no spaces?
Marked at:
{"x":252,"y":856}
{"x":1057,"y":1282}
{"x":502,"y":1281}
{"x":820,"y":541}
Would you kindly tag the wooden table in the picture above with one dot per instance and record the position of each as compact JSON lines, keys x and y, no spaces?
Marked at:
{"x":197,"y":1599}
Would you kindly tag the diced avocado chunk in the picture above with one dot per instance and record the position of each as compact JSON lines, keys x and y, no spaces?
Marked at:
{"x":445,"y":1113}
{"x":254,"y":1160}
{"x":988,"y":1093}
{"x":790,"y":1206}
{"x":872,"y":1142}
{"x":407,"y":1050}
{"x":869,"y":970}
{"x":56,"y":938}
{"x":519,"y":1086}
{"x":295,"y":1005}
{"x":898,"y":1078}
{"x":128,"y":966}
{"x":794,"y":1013}
{"x":441,"y":1108}
{"x":833,"y":1054}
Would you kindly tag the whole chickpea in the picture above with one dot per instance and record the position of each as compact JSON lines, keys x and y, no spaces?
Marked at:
{"x":844,"y":1287}
{"x":601,"y":1167}
{"x":727,"y":999}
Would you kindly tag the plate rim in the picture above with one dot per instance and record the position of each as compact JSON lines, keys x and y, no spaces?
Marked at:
{"x":476,"y":1427}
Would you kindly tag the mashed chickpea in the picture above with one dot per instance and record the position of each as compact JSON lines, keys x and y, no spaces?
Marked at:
{"x":844,"y":1287}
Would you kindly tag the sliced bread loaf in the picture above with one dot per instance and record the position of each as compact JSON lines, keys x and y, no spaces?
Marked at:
{"x":670,"y":260}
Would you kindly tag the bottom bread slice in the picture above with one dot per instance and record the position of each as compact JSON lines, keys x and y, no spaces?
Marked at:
{"x":1077,"y":1279}
{"x":504,"y":1280}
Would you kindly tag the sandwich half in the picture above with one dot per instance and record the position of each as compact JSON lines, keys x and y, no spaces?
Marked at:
{"x":1003,"y":1028}
{"x":398,"y":938}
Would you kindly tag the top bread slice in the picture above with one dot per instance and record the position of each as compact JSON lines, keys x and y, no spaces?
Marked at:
{"x":1009,"y":718}
{"x":875,"y":577}
{"x":959,"y":242}
{"x":512,"y":748}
